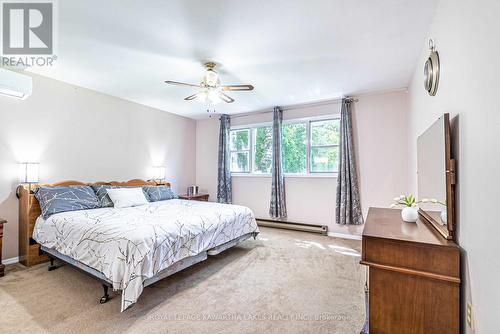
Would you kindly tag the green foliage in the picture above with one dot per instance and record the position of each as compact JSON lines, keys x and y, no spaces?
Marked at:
{"x":324,"y":133}
{"x":408,"y":200}
{"x":239,"y":140}
{"x":243,"y":162}
{"x":263,"y":154}
{"x":294,"y":138}
{"x":239,"y":162}
{"x":324,"y":156}
{"x":324,"y":159}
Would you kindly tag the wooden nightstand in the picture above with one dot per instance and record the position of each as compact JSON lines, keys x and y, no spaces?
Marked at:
{"x":2,"y":267}
{"x":198,"y":197}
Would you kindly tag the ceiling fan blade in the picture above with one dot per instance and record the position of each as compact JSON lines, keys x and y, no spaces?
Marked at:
{"x":237,"y":87}
{"x":191,"y":97}
{"x":180,"y":83}
{"x":226,"y":98}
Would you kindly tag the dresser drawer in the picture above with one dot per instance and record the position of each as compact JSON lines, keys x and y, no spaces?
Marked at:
{"x":410,"y":304}
{"x":413,"y":275}
{"x":427,"y":259}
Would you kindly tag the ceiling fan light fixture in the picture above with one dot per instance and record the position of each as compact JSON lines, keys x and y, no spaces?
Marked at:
{"x":211,"y":91}
{"x":211,"y":78}
{"x":213,"y":96}
{"x":209,"y":96}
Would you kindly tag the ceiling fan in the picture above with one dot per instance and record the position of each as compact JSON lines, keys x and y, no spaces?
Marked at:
{"x":210,"y":89}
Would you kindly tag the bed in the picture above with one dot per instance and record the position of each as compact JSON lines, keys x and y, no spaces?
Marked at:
{"x":130,"y":248}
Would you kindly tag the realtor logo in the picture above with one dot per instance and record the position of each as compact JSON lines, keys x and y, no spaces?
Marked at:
{"x":27,"y":28}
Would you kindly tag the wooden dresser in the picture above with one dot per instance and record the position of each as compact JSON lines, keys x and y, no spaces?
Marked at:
{"x":414,"y":276}
{"x":2,"y":267}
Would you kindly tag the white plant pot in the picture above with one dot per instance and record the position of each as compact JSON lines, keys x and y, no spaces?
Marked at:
{"x":409,"y":214}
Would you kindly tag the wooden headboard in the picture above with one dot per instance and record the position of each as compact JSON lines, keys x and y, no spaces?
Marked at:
{"x":29,"y":210}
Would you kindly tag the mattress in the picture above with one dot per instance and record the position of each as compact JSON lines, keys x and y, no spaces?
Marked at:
{"x":131,"y":245}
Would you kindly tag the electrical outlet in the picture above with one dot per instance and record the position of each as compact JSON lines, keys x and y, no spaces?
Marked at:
{"x":469,"y":316}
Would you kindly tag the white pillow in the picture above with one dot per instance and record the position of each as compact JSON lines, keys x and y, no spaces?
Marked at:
{"x":126,"y":197}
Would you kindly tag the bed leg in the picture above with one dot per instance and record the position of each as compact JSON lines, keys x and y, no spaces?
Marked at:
{"x":52,"y":266}
{"x":104,"y":298}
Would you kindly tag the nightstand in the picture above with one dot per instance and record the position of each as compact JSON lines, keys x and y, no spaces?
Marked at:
{"x":2,"y":267}
{"x":197,"y":197}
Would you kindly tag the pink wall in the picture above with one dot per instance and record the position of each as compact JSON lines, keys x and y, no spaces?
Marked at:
{"x":78,"y":134}
{"x":381,"y":137}
{"x":382,"y":132}
{"x":466,"y":35}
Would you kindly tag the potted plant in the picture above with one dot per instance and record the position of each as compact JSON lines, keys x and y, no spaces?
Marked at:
{"x":410,"y":209}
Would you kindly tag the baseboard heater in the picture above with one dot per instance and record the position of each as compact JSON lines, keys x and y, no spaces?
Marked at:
{"x":288,"y":225}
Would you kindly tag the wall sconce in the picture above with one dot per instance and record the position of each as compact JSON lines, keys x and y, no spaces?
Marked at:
{"x":159,"y":173}
{"x":28,"y":173}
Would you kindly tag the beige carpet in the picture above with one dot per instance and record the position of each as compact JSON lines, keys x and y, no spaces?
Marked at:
{"x":284,"y":282}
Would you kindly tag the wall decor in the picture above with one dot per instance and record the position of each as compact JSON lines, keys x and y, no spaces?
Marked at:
{"x":431,"y":70}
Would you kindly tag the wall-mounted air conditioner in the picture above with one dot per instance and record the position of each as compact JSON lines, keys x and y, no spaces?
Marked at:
{"x":15,"y":84}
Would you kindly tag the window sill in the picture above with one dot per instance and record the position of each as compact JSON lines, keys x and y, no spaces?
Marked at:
{"x":313,"y":176}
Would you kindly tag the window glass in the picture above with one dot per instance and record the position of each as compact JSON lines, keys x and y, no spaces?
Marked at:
{"x":239,"y":140}
{"x":324,"y":159}
{"x":314,"y":142}
{"x":263,"y":149}
{"x":324,"y":146}
{"x":239,"y":145}
{"x":239,"y":162}
{"x":294,"y":145}
{"x":325,"y":133}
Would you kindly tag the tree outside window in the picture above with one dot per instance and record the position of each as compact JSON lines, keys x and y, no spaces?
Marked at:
{"x":263,"y":149}
{"x":294,"y":143}
{"x":308,"y":147}
{"x":324,"y":146}
{"x":239,"y":145}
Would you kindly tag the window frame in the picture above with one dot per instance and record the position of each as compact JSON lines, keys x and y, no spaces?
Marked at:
{"x":311,"y":146}
{"x":253,"y":135}
{"x":305,"y":120}
{"x":249,"y":150}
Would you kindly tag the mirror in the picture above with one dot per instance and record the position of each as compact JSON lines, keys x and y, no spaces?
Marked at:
{"x":436,"y":177}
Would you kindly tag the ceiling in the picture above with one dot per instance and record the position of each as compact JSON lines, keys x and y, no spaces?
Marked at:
{"x":292,"y":51}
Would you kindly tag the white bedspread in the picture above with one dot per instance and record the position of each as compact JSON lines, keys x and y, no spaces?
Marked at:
{"x":130,"y":245}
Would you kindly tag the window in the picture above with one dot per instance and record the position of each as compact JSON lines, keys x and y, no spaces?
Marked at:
{"x":294,"y":146}
{"x":239,"y":145}
{"x":309,"y":146}
{"x":324,"y":146}
{"x":262,"y":149}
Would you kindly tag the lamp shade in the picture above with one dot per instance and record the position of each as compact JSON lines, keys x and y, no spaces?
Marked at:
{"x":28,"y":172}
{"x":159,"y":172}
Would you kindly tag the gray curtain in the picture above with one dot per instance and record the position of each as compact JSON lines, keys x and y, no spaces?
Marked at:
{"x":348,"y":209}
{"x":278,"y":204}
{"x":224,"y":191}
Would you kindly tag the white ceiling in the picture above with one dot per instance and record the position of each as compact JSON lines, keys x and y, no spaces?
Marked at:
{"x":291,"y":51}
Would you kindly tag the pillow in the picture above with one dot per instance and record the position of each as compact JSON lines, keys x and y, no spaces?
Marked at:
{"x":102,"y":194}
{"x":62,"y":199}
{"x":126,"y":197}
{"x":159,"y":193}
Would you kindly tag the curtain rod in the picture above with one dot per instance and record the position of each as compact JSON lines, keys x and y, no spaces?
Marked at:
{"x":294,"y":107}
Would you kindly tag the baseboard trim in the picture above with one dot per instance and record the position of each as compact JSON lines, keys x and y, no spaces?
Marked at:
{"x":288,"y":225}
{"x":344,"y":236}
{"x":12,"y":260}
